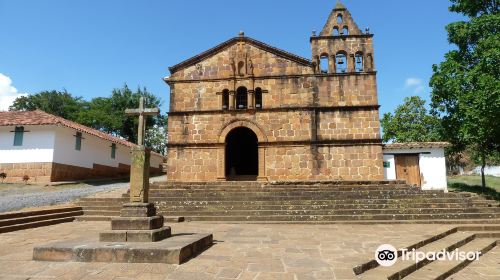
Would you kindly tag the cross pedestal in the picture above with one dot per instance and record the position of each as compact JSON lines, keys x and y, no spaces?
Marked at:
{"x":138,"y":221}
{"x":138,"y":235}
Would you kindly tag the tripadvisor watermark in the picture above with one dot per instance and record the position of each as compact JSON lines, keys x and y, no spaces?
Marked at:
{"x":387,"y":255}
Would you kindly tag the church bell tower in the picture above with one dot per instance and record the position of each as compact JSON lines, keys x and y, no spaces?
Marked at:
{"x":341,"y":47}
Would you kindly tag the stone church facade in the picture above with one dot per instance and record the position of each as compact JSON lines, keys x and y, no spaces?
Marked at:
{"x":245,"y":110}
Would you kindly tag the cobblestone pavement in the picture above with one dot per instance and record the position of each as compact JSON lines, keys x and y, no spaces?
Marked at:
{"x":241,"y":251}
{"x":18,"y":196}
{"x":34,"y":196}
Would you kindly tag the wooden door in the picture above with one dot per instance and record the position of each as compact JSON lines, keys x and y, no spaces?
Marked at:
{"x":407,"y":169}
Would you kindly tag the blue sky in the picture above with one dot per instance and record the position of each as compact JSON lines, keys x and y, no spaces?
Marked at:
{"x":90,"y":47}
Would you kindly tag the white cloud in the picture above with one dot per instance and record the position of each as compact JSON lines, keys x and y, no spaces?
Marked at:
{"x":416,"y":84}
{"x":8,"y":93}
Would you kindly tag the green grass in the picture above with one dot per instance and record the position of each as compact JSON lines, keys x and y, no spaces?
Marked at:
{"x":472,"y":183}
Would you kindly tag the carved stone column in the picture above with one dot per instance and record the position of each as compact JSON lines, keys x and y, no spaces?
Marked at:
{"x":262,"y":164}
{"x":352,"y":65}
{"x":250,"y":99}
{"x":231,"y":100}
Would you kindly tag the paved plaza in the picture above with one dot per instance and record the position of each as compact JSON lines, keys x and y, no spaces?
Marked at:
{"x":241,"y":251}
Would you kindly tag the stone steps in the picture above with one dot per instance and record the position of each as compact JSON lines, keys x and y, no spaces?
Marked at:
{"x":336,"y":212}
{"x":404,"y":267}
{"x":272,"y":206}
{"x":438,"y":270}
{"x":287,"y":188}
{"x":314,"y":202}
{"x":272,"y":198}
{"x":462,"y":238}
{"x":400,"y":201}
{"x":88,"y":218}
{"x":37,"y":218}
{"x":372,"y":222}
{"x":278,"y":183}
{"x":455,"y":216}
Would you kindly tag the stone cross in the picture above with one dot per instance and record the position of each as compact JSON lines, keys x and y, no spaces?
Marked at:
{"x":139,"y":168}
{"x":141,"y":112}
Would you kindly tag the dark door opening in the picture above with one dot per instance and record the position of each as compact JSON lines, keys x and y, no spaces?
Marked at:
{"x":242,"y":156}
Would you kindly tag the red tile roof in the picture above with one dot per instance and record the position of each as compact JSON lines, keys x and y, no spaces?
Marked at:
{"x":39,"y":117}
{"x":416,"y":145}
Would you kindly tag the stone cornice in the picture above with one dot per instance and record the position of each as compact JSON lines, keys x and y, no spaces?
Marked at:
{"x":337,"y":142}
{"x":279,"y":109}
{"x":171,"y":81}
{"x":340,"y":37}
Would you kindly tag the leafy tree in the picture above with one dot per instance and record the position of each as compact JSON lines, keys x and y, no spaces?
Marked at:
{"x":108,"y":115}
{"x":59,"y":103}
{"x":411,"y":122}
{"x":466,"y":86}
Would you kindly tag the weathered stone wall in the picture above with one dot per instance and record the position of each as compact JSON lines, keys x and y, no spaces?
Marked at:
{"x":292,"y":163}
{"x":37,"y":171}
{"x":219,"y":66}
{"x":54,"y":172}
{"x":322,"y":90}
{"x":292,"y":125}
{"x":192,"y":165}
{"x":324,"y":163}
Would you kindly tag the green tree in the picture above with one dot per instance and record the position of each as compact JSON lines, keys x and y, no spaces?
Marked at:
{"x":59,"y":103}
{"x":411,"y":122}
{"x":108,"y":115}
{"x":466,"y":86}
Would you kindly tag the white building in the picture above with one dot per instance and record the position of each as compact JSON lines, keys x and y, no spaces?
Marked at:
{"x":419,"y":163}
{"x":48,"y":148}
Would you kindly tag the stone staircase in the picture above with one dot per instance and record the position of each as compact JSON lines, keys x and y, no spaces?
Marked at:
{"x":464,"y":239}
{"x":306,"y":202}
{"x":37,"y":218}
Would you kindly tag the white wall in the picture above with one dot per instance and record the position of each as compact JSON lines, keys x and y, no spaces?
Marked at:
{"x":156,"y":160}
{"x":38,"y":144}
{"x":432,"y":166}
{"x":390,"y":172}
{"x":93,"y":150}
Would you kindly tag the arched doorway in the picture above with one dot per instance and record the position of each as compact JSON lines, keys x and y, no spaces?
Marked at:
{"x":241,"y":155}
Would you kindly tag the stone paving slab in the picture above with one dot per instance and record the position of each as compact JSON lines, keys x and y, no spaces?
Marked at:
{"x":487,"y":268}
{"x":240,"y":251}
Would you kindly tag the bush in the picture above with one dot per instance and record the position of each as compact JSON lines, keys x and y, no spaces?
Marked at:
{"x":26,"y":178}
{"x":3,"y":175}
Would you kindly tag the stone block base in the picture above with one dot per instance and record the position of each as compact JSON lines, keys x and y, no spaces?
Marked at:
{"x":136,"y":223}
{"x":135,"y":235}
{"x":138,"y":209}
{"x":173,"y":250}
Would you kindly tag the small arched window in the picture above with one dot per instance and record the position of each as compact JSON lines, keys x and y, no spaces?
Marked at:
{"x":345,"y":31}
{"x":359,"y":62}
{"x":241,"y":98}
{"x":225,"y":99}
{"x":258,"y":98}
{"x":323,"y":62}
{"x":341,"y":62}
{"x":335,"y":31}
{"x":339,"y":18}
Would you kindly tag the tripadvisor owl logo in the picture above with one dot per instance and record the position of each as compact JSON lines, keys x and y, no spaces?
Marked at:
{"x":386,"y":255}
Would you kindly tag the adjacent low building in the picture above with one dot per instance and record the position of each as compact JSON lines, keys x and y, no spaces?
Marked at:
{"x":49,"y":148}
{"x":419,"y":163}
